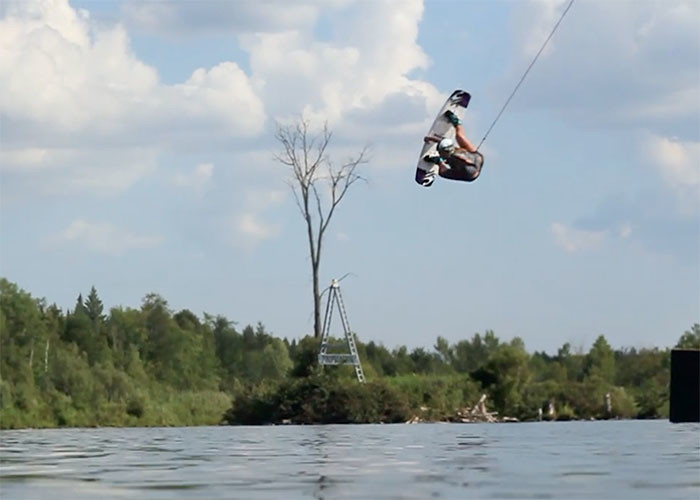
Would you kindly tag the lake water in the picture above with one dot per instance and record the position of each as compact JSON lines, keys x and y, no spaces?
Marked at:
{"x":599,"y":460}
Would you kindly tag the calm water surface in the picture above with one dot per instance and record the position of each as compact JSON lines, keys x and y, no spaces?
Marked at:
{"x":601,"y":460}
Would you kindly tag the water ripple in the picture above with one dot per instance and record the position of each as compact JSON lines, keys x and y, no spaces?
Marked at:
{"x":636,"y":460}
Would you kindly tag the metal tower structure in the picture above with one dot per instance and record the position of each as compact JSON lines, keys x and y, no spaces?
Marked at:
{"x":350,"y":358}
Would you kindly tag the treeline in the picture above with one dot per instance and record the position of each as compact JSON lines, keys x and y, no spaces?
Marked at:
{"x":153,"y":366}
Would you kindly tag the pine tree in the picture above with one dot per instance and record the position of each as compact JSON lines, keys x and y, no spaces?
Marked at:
{"x":94,"y":309}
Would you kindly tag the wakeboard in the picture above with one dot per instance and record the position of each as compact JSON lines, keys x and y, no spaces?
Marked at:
{"x":441,"y":127}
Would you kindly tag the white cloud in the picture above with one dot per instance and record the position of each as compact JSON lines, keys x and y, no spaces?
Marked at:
{"x":22,"y":159}
{"x":68,"y":84}
{"x":58,"y":74}
{"x":221,"y":96}
{"x":577,"y":240}
{"x":263,"y":199}
{"x":105,"y":238}
{"x":633,"y":65}
{"x":625,"y":231}
{"x":651,"y":220}
{"x":250,"y":230}
{"x":678,"y":163}
{"x":64,"y":74}
{"x":197,"y":180}
{"x":373,"y":50}
{"x":60,"y":171}
{"x":613,"y":63}
{"x":543,"y":14}
{"x":249,"y":227}
{"x":178,"y":18}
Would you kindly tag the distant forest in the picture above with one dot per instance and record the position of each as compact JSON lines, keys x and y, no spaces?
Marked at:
{"x":152,"y":366}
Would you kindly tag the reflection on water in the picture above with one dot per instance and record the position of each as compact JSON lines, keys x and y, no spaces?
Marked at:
{"x":631,"y":459}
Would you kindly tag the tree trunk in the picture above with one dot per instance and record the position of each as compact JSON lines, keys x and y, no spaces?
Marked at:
{"x":46,"y":356}
{"x":317,"y":304}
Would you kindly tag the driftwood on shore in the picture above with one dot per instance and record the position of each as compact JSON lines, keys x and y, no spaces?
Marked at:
{"x":476,"y":413}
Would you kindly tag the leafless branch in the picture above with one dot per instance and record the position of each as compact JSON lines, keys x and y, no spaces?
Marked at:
{"x":313,"y":174}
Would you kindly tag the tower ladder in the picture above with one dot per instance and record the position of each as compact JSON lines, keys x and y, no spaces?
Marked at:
{"x":351,"y":358}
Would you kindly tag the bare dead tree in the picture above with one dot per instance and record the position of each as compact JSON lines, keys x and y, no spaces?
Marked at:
{"x":318,"y":188}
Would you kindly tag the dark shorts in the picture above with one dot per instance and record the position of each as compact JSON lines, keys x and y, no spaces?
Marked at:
{"x":464,"y":166}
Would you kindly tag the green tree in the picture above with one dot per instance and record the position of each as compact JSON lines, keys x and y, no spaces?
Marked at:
{"x":690,"y":339}
{"x":571,"y":362}
{"x":305,"y":356}
{"x":19,"y":320}
{"x":380,"y":359}
{"x":228,"y":346}
{"x":199,"y":356}
{"x":167,"y":343}
{"x":94,"y":309}
{"x":149,"y":366}
{"x":276,"y":363}
{"x":427,"y":362}
{"x":82,"y":330}
{"x":601,"y":361}
{"x":470,"y":355}
{"x":443,"y":349}
{"x":126,"y":332}
{"x":505,"y":375}
{"x":404,"y":363}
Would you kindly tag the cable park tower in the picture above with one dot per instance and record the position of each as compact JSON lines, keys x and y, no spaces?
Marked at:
{"x":351,"y":357}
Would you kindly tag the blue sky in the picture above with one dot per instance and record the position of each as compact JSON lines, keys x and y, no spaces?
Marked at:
{"x":138,"y":143}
